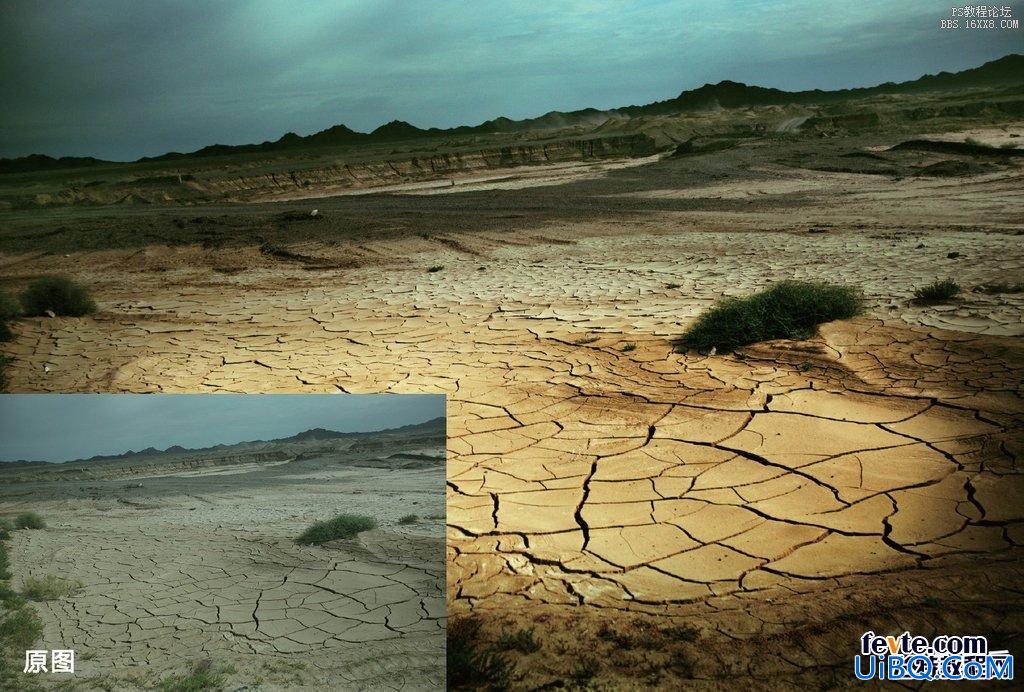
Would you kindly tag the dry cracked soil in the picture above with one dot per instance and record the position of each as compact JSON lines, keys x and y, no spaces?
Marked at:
{"x":180,"y":561}
{"x":656,"y":518}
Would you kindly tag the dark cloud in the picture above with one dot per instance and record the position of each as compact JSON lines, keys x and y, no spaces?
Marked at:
{"x":122,"y":78}
{"x":59,"y":427}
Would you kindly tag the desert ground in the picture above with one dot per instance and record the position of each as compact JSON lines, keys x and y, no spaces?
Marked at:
{"x":189,"y":557}
{"x":656,"y":518}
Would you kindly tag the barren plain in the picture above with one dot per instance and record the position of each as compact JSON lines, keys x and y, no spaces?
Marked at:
{"x":183,"y":557}
{"x":655,"y":517}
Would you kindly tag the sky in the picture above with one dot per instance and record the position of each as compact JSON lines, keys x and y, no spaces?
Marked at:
{"x":62,"y":427}
{"x":120,"y":79}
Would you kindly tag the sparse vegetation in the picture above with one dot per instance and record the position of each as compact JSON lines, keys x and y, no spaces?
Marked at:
{"x":203,"y":676}
{"x":680,"y":633}
{"x":470,"y":664}
{"x":521,"y":640}
{"x":10,"y":598}
{"x":409,"y":519}
{"x":585,"y":669}
{"x":999,"y":287}
{"x":341,"y":526}
{"x":48,"y":588}
{"x":435,"y":268}
{"x":58,"y":294}
{"x":9,"y":311}
{"x":29,"y":520}
{"x":4,"y":362}
{"x":20,"y":629}
{"x":4,"y":564}
{"x":938,"y":291}
{"x":629,"y":346}
{"x":786,"y":310}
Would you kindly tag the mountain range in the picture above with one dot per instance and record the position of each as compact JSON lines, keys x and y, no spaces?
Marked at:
{"x":314,"y":434}
{"x":1005,"y":71}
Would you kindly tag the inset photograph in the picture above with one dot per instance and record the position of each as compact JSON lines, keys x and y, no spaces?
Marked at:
{"x":186,"y":542}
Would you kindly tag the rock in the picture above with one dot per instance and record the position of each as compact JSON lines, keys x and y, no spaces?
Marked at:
{"x":953,"y":255}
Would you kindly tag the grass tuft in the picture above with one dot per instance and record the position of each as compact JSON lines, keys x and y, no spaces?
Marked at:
{"x":48,"y":588}
{"x":629,"y":346}
{"x":341,"y":526}
{"x":20,"y":629}
{"x":470,"y":665}
{"x":521,"y":640}
{"x":938,"y":290}
{"x":409,"y":519}
{"x":786,"y":310}
{"x":58,"y":294}
{"x":29,"y":520}
{"x":203,"y":676}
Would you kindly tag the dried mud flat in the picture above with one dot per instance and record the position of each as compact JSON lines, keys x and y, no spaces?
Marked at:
{"x":187,"y":565}
{"x":656,"y":517}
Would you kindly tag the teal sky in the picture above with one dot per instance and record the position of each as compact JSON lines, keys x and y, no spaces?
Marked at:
{"x":61,"y":427}
{"x":120,"y":79}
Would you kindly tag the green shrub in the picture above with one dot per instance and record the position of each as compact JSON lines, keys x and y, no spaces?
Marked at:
{"x":471,"y":665}
{"x":341,"y":526}
{"x":29,"y":520}
{"x":629,"y":346}
{"x":409,"y":519}
{"x":59,"y":294}
{"x":48,"y":588}
{"x":786,"y":310}
{"x":938,"y":290}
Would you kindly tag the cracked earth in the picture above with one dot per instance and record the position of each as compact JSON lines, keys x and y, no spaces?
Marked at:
{"x":601,"y":487}
{"x":176,"y":568}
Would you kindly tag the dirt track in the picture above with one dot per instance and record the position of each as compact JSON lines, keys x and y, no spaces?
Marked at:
{"x":783,"y":499}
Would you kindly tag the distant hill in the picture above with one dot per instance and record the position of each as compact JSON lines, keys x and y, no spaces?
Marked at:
{"x":1008,"y":70}
{"x":434,"y":425}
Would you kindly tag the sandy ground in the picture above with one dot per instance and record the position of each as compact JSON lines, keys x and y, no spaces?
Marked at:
{"x":777,"y":502}
{"x":177,"y":568}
